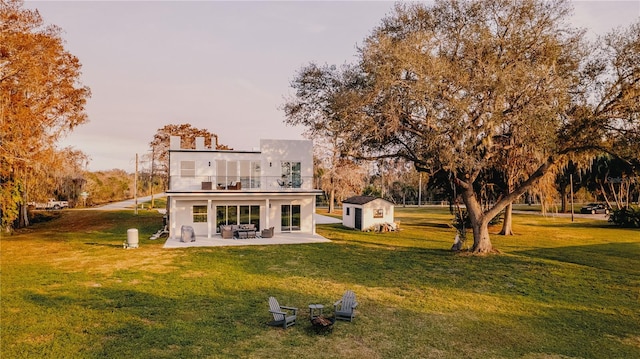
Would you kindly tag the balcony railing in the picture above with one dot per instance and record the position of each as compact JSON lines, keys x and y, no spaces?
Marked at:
{"x":263,"y":183}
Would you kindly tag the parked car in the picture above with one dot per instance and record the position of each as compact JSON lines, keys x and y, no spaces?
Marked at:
{"x":594,"y":208}
{"x":50,"y":204}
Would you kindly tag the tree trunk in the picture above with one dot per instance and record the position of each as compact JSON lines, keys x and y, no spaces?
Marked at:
{"x":480,"y":225}
{"x":506,"y":224}
{"x":332,"y":197}
{"x":481,"y":240}
{"x":563,"y":196}
{"x":23,"y":217}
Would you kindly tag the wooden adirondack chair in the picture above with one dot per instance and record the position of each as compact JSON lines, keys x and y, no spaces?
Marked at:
{"x":281,"y":318}
{"x":344,"y":309}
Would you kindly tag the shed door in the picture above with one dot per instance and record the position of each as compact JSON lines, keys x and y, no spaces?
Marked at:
{"x":358,"y":218}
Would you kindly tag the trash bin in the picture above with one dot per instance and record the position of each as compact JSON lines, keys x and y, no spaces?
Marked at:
{"x":132,"y":238}
{"x":187,"y":234}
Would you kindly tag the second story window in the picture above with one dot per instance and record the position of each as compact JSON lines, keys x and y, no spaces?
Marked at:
{"x":291,"y":174}
{"x":187,"y":168}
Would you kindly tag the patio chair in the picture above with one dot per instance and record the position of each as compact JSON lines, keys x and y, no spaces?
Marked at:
{"x":344,"y":309}
{"x":267,"y":233}
{"x":226,"y":232}
{"x":281,"y":318}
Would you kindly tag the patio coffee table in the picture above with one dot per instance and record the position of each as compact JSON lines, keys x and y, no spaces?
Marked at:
{"x":245,"y":233}
{"x":313,"y":308}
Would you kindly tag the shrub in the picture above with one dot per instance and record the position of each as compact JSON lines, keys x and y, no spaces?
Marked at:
{"x":626,"y":217}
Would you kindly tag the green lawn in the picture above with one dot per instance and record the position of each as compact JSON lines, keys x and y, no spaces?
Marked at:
{"x":557,"y":290}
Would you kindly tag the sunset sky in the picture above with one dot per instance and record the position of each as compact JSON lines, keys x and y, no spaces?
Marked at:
{"x":221,"y":66}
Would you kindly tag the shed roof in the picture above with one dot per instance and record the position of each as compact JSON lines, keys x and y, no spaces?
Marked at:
{"x":362,"y":199}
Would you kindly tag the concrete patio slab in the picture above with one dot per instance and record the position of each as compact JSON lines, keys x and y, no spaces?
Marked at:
{"x":279,"y":238}
{"x":217,"y":241}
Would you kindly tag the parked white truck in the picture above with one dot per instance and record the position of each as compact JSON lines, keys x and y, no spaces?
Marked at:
{"x":50,"y":204}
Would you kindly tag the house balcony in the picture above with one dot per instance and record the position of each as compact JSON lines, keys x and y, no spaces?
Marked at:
{"x":248,"y":184}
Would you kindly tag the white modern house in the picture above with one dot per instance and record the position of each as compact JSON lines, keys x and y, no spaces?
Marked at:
{"x":268,"y":187}
{"x":365,"y":212}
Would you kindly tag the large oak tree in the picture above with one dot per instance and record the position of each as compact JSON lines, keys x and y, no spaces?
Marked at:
{"x":468,"y":87}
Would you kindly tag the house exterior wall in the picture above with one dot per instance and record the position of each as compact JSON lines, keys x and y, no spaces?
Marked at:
{"x":274,"y":152}
{"x":271,"y":157}
{"x":368,"y":213}
{"x":264,"y":190}
{"x":181,"y":209}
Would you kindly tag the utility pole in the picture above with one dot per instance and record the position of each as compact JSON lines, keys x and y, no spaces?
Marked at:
{"x":571,"y":185}
{"x":420,"y":190}
{"x":135,"y":188}
{"x":152,"y":160}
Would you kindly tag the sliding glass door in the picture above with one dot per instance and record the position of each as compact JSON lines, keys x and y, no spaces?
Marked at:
{"x":226,"y":215}
{"x":290,"y":217}
{"x":237,"y":215}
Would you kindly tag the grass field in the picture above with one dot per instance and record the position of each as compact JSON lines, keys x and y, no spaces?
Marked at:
{"x":557,"y":290}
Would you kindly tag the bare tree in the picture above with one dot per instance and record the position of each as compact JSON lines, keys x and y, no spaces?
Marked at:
{"x":323,"y":95}
{"x":339,"y":177}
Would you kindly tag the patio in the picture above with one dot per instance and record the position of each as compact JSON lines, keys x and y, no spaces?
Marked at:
{"x":278,"y":238}
{"x":218,"y":241}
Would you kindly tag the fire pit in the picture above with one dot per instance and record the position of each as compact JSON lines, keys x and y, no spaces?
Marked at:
{"x":322,"y":325}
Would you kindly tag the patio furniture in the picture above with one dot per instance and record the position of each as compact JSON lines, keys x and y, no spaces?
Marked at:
{"x":267,"y":233}
{"x":283,"y":183}
{"x":244,"y":231}
{"x":235,"y":185}
{"x":315,"y":310}
{"x":344,"y":308}
{"x":281,"y":316}
{"x":226,"y":232}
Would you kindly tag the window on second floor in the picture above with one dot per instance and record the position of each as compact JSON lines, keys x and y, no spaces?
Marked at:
{"x":187,"y":168}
